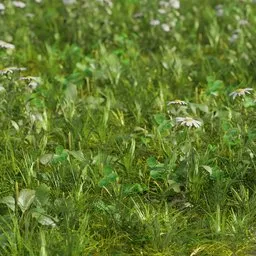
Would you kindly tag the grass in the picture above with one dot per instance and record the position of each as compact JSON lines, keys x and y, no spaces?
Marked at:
{"x":95,"y":156}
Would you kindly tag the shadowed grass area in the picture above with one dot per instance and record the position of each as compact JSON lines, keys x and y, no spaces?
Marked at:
{"x":127,"y":127}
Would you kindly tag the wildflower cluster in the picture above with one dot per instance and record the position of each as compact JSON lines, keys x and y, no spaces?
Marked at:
{"x":6,"y":45}
{"x":166,"y":18}
{"x":26,"y":85}
{"x":2,"y":7}
{"x":191,"y":122}
{"x":19,"y":4}
{"x":184,"y":121}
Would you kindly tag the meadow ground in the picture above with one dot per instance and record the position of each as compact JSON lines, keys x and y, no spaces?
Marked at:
{"x":127,"y":127}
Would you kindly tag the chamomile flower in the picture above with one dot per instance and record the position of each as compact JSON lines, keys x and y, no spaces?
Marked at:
{"x":30,"y":15}
{"x":6,"y":45}
{"x":235,"y":35}
{"x":18,"y":4}
{"x":174,"y":4}
{"x":10,"y":70}
{"x":103,"y":2}
{"x":154,"y":22}
{"x":69,"y":2}
{"x":188,"y":121}
{"x":2,"y":7}
{"x":233,"y":38}
{"x":165,"y":27}
{"x":164,"y":4}
{"x":2,"y":89}
{"x":30,"y":78}
{"x":219,"y":10}
{"x":33,"y":85}
{"x":243,"y":22}
{"x":33,"y":81}
{"x":162,"y":11}
{"x":240,"y":92}
{"x":138,"y":15}
{"x":176,"y":102}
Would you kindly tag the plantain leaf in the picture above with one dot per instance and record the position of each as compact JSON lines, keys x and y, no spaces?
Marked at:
{"x":26,"y":198}
{"x":9,"y":202}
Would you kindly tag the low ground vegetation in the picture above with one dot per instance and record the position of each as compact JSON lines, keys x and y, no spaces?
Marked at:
{"x":127,"y":127}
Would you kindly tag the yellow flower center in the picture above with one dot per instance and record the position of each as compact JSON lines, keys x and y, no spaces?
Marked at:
{"x":240,"y":90}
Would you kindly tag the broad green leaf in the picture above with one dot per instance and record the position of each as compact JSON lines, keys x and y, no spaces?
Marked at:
{"x":157,"y":174}
{"x":71,"y":92}
{"x":151,"y":161}
{"x":208,"y":169}
{"x":159,"y":118}
{"x":59,"y":150}
{"x":203,"y":108}
{"x":46,"y":159}
{"x":2,"y":89}
{"x":46,"y":221}
{"x":134,"y":188}
{"x":108,"y":180}
{"x":9,"y":202}
{"x":42,"y":194}
{"x":61,"y":155}
{"x":42,"y":218}
{"x":112,"y":177}
{"x":166,"y":125}
{"x":15,"y":125}
{"x":214,"y":86}
{"x":25,"y":199}
{"x":94,"y":102}
{"x":248,"y":102}
{"x":107,"y":170}
{"x":174,"y":185}
{"x":78,"y":155}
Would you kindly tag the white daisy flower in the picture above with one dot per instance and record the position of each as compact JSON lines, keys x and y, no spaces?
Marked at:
{"x":162,"y":11}
{"x":219,"y":10}
{"x":176,"y":102}
{"x":174,"y":4}
{"x":6,"y":45}
{"x":108,"y":2}
{"x":10,"y":70}
{"x":164,"y":4}
{"x":243,"y":22}
{"x":30,"y":15}
{"x":138,"y":15}
{"x":33,"y":81}
{"x":154,"y":22}
{"x":2,"y":89}
{"x":240,"y":92}
{"x":234,"y":36}
{"x":30,"y":78}
{"x":188,"y":121}
{"x":165,"y":27}
{"x":2,"y":7}
{"x":33,"y":85}
{"x":18,"y":4}
{"x":69,"y":2}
